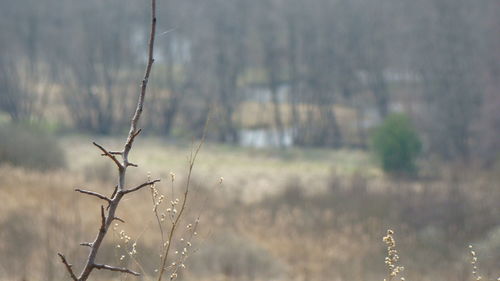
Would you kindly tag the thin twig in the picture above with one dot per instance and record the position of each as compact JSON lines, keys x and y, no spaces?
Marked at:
{"x":113,"y":268}
{"x":158,"y":220}
{"x":106,"y":153}
{"x":140,"y":103}
{"x":100,"y":196}
{"x":119,"y":192}
{"x":114,"y":192}
{"x":118,"y":219}
{"x":132,"y":164}
{"x":183,"y":258}
{"x":141,"y":186}
{"x":103,"y":219}
{"x":192,"y":160}
{"x":136,"y":134}
{"x":112,"y":196}
{"x":68,"y":266}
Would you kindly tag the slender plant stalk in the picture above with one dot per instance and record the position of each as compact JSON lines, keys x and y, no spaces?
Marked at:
{"x":108,"y":215}
{"x":175,"y":223}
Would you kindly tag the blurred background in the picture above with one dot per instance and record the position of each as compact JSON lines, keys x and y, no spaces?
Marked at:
{"x":330,"y":121}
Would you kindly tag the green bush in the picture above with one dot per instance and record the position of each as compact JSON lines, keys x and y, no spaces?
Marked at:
{"x":29,"y":147}
{"x":397,"y":145}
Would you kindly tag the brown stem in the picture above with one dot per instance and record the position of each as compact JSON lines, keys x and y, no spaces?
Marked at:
{"x":107,"y":153}
{"x":113,"y":268}
{"x":175,"y":223}
{"x":68,"y":266}
{"x":108,"y":216}
{"x":100,"y":196}
{"x":149,"y":183}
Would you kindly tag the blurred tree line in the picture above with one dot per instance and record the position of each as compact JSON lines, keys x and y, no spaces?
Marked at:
{"x":309,"y":65}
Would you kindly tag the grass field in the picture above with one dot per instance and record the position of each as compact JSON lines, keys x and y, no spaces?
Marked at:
{"x":295,"y":214}
{"x":252,"y":173}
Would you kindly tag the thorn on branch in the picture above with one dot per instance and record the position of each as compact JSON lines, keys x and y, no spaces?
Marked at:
{"x":119,"y":191}
{"x":68,"y":266}
{"x":103,"y":219}
{"x":114,"y":191}
{"x":86,"y":244}
{"x":136,"y":133}
{"x":132,"y":164}
{"x":118,"y":219}
{"x":141,"y":186}
{"x":113,"y":268}
{"x":132,"y":137}
{"x":112,"y":196}
{"x":110,"y":155}
{"x":100,"y":196}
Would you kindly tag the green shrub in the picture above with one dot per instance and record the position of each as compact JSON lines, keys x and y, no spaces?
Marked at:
{"x":29,"y":147}
{"x":397,"y":145}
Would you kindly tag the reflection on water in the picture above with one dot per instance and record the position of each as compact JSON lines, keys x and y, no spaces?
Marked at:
{"x":262,"y":138}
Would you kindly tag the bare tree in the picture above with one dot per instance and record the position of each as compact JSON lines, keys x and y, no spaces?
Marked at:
{"x":321,"y":127}
{"x":293,"y":24}
{"x":273,"y":59}
{"x":448,"y":66}
{"x":95,"y":67}
{"x":108,"y":213}
{"x":329,"y":53}
{"x":12,"y":98}
{"x":487,"y":127}
{"x":219,"y":47}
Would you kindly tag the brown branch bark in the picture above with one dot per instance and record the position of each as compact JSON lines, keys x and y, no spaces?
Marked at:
{"x":141,"y":186}
{"x":86,"y":244}
{"x":114,"y":191}
{"x":108,"y":216}
{"x":92,"y":193}
{"x":113,"y":268}
{"x":118,"y":219}
{"x":107,"y":153}
{"x":132,"y":164}
{"x":68,"y":266}
{"x":103,"y":219}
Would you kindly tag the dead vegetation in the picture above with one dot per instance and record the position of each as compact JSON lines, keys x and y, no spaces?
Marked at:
{"x":296,"y":234}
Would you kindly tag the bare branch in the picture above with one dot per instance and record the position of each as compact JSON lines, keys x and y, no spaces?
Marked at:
{"x":112,"y":196}
{"x":119,"y":191}
{"x":113,"y":268}
{"x":107,"y":153}
{"x":103,"y":219}
{"x":183,"y":207}
{"x":68,"y":266}
{"x":118,"y":219}
{"x":141,"y":186}
{"x":100,"y":196}
{"x":114,"y":192}
{"x":136,"y":134}
{"x":140,"y":103}
{"x":132,"y":164}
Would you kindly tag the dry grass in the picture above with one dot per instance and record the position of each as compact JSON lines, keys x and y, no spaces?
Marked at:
{"x":251,"y":174}
{"x":278,"y":216}
{"x":261,"y":115}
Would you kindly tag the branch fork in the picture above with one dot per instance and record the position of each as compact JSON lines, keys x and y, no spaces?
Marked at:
{"x":108,"y":213}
